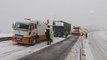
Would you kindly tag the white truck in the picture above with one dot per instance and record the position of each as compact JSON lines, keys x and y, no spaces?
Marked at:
{"x":25,"y":32}
{"x":76,"y":31}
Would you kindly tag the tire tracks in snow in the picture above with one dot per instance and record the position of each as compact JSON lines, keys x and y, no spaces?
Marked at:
{"x":10,"y":52}
{"x":8,"y":48}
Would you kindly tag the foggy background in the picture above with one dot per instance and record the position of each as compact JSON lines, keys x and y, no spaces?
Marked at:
{"x":86,"y":13}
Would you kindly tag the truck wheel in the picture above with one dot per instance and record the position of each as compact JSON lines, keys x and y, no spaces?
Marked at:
{"x":33,"y":42}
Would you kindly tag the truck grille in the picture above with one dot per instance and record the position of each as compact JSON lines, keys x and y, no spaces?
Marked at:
{"x":19,"y":37}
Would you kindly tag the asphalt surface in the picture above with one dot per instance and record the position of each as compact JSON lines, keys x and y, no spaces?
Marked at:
{"x":56,"y":51}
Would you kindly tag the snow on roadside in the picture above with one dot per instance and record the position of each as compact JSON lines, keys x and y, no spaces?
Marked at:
{"x":7,"y":47}
{"x":6,"y":35}
{"x":4,"y":43}
{"x":28,"y":50}
{"x":75,"y":51}
{"x":98,"y":44}
{"x":87,"y":49}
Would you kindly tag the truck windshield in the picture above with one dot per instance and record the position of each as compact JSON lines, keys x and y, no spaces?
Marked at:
{"x":21,"y":26}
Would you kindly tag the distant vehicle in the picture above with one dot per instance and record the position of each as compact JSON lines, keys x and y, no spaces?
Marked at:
{"x":25,"y":32}
{"x":60,"y":27}
{"x":75,"y":31}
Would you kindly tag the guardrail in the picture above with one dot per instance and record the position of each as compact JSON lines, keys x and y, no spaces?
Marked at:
{"x":5,"y":38}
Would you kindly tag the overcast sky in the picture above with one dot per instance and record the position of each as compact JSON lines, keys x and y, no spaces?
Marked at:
{"x":76,"y":12}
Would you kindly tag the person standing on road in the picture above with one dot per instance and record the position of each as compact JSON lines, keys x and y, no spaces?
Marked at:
{"x":86,"y":35}
{"x":66,"y":34}
{"x":47,"y":33}
{"x":51,"y":36}
{"x":36,"y":37}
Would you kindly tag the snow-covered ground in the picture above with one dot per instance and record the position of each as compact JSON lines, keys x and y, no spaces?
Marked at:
{"x":6,"y":35}
{"x":96,"y":46}
{"x":89,"y":55}
{"x":11,"y":51}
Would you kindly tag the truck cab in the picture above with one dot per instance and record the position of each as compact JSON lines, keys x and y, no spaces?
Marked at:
{"x":25,"y":32}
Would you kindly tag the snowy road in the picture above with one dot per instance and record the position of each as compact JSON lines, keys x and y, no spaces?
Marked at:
{"x":55,"y":52}
{"x":96,"y":49}
{"x":98,"y":45}
{"x":11,"y":51}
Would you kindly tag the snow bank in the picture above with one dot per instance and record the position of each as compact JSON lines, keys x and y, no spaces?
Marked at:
{"x":81,"y":47}
{"x":88,"y":52}
{"x":6,"y":35}
{"x":98,"y":44}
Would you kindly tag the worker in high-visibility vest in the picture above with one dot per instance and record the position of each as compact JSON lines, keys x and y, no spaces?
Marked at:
{"x":51,"y":36}
{"x":47,"y":33}
{"x":86,"y":35}
{"x":82,"y":34}
{"x":66,"y":34}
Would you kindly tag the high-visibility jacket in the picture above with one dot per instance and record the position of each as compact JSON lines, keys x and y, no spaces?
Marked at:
{"x":82,"y":33}
{"x":51,"y":35}
{"x":66,"y":33}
